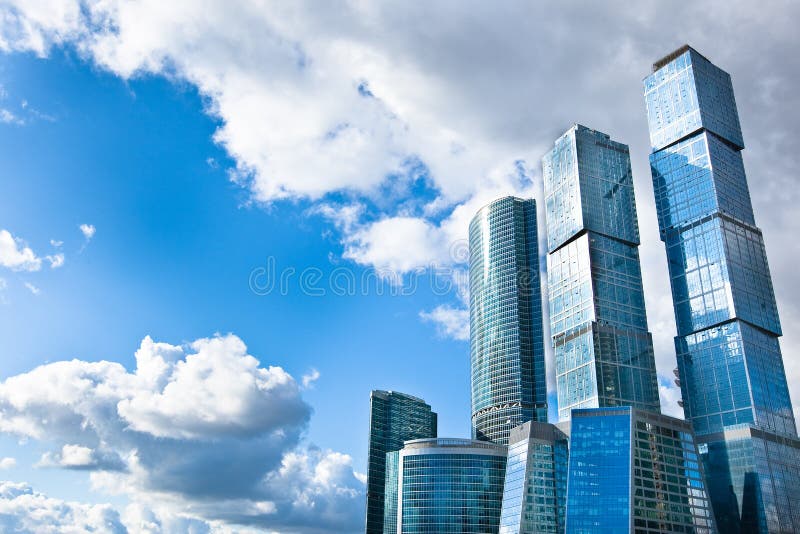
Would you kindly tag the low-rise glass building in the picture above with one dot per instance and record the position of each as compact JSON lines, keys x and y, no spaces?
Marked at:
{"x":445,"y":485}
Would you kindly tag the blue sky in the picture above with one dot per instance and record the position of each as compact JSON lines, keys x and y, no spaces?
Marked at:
{"x":204,"y":145}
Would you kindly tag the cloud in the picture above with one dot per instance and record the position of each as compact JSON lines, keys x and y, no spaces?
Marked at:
{"x":16,"y":255}
{"x":452,"y":322}
{"x":87,"y":230}
{"x":202,"y":430}
{"x":56,"y":243}
{"x":8,"y":117}
{"x":56,"y":260}
{"x":309,"y":379}
{"x":316,"y":104}
{"x":7,"y":463}
{"x":32,"y":288}
{"x":24,"y":510}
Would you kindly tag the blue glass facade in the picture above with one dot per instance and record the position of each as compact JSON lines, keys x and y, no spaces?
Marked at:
{"x":449,"y":486}
{"x":390,"y":492}
{"x":535,"y":489}
{"x":634,"y":471}
{"x":506,"y":337}
{"x":394,"y":418}
{"x":603,"y":350}
{"x":729,"y":360}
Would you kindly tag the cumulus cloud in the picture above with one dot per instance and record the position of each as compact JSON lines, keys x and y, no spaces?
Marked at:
{"x":203,"y":429}
{"x":56,"y":260}
{"x":7,"y":463}
{"x":24,"y":510}
{"x":16,"y":255}
{"x":315,"y":101}
{"x":452,"y":322}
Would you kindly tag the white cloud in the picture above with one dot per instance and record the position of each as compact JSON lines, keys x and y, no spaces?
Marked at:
{"x":7,"y":463}
{"x":56,"y":260}
{"x":87,"y":230}
{"x":8,"y":117}
{"x":184,"y":417}
{"x":309,"y":378}
{"x":24,"y":510}
{"x":452,"y":322}
{"x":56,"y":243}
{"x":16,"y":255}
{"x":32,"y":288}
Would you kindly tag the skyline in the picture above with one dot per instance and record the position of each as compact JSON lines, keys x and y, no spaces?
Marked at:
{"x":171,"y":266}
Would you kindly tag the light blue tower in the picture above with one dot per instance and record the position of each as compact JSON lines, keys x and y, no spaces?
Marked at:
{"x":729,"y":361}
{"x":505,"y":314}
{"x":603,"y":350}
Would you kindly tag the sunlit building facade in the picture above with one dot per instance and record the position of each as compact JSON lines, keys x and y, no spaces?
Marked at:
{"x":506,"y":336}
{"x":634,"y":471}
{"x":603,"y":350}
{"x":730,"y":365}
{"x":446,"y":485}
{"x":535,"y":490}
{"x":394,"y":418}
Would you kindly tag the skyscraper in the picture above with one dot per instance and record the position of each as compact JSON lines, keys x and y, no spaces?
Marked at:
{"x":446,"y":485}
{"x":634,"y":471}
{"x":394,"y":418}
{"x":603,"y":350}
{"x":535,"y":490}
{"x":506,"y":339}
{"x":729,"y":361}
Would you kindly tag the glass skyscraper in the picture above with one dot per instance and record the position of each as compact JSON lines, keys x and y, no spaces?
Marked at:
{"x":603,"y":350}
{"x":731,"y":370}
{"x":394,"y":418}
{"x":506,"y":338}
{"x":535,"y":490}
{"x":446,"y":486}
{"x":634,"y":471}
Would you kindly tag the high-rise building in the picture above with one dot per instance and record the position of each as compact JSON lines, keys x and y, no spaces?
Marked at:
{"x":603,"y":350}
{"x":446,"y":485}
{"x":506,"y":337}
{"x":730,"y":366}
{"x":394,"y":418}
{"x":535,"y":489}
{"x":634,"y":471}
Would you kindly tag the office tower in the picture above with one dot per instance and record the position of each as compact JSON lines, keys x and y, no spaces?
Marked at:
{"x":505,"y":314}
{"x":634,"y":471}
{"x":535,"y":489}
{"x":394,"y":418}
{"x":729,"y":361}
{"x":603,"y":351}
{"x":447,"y":485}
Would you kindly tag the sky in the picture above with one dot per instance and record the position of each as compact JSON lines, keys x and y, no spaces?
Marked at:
{"x":223,"y":223}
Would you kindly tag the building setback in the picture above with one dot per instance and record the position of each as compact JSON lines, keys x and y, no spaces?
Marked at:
{"x":394,"y":418}
{"x":603,"y":350}
{"x":445,"y":485}
{"x":634,"y":471}
{"x":535,"y":489}
{"x":506,"y":337}
{"x":730,"y":366}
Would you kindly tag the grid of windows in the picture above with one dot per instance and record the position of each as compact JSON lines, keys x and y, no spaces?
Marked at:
{"x":603,"y":351}
{"x":394,"y":418}
{"x":450,"y":486}
{"x":729,"y":360}
{"x":390,"y":493}
{"x":534,"y":497}
{"x":634,"y":471}
{"x":506,"y":338}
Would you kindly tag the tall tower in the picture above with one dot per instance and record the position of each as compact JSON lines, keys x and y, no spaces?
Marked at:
{"x":394,"y":418}
{"x":729,"y":361}
{"x":505,"y":314}
{"x":603,"y":351}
